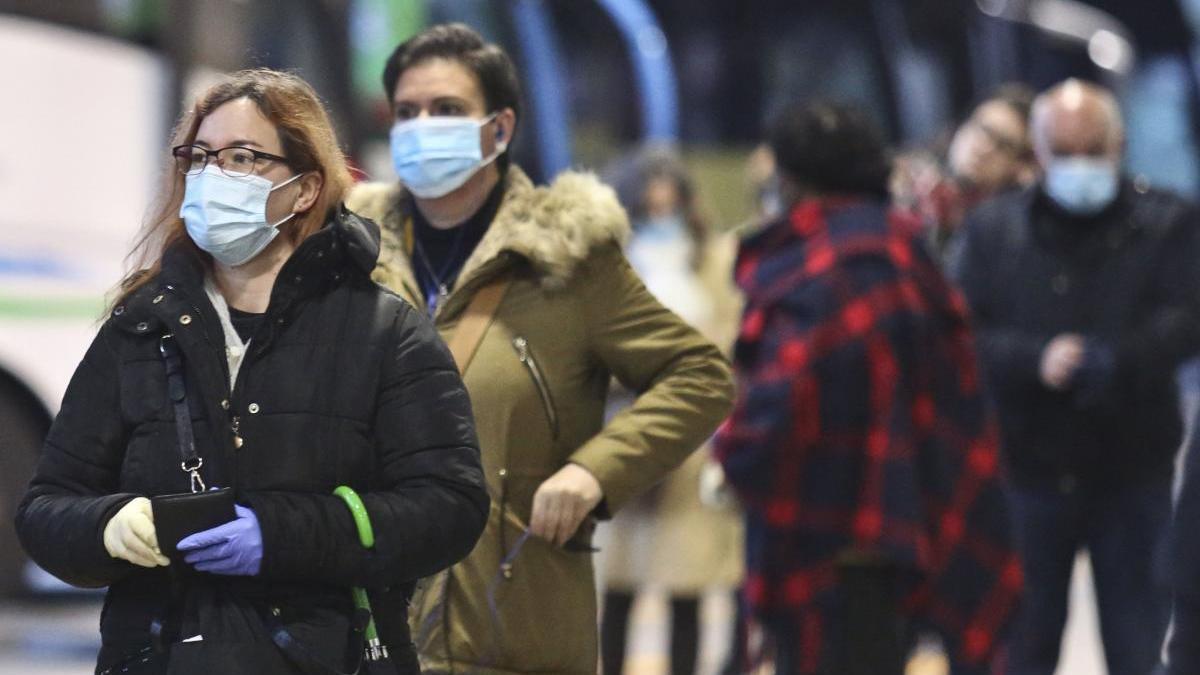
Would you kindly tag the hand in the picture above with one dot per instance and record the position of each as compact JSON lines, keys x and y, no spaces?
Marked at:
{"x":1060,"y":360}
{"x":562,"y":502}
{"x":235,"y":548}
{"x":715,"y":491}
{"x":129,"y":535}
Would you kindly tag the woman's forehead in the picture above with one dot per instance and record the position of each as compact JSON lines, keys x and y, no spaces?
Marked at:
{"x":238,"y":122}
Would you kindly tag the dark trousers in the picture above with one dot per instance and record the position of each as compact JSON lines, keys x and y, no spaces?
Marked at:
{"x":1123,"y":531}
{"x":866,"y":635}
{"x":1183,"y":645}
{"x":614,"y":630}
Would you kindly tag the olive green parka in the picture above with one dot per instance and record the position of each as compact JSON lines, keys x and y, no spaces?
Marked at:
{"x":575,"y":315}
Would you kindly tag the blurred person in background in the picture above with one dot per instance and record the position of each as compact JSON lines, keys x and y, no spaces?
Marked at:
{"x":300,"y":375}
{"x":989,"y":154}
{"x":860,"y":444}
{"x":567,"y":314}
{"x":762,"y":180}
{"x":1084,"y":290}
{"x":684,"y":536}
{"x":1182,"y":651}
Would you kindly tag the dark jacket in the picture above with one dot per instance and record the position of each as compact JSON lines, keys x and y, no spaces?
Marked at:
{"x":343,"y":383}
{"x":1127,"y":280}
{"x":861,"y":432}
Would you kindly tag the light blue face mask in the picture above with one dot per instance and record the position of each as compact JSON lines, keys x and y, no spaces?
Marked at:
{"x":227,"y":216}
{"x":1083,"y":186}
{"x":434,"y":156}
{"x":661,"y":228}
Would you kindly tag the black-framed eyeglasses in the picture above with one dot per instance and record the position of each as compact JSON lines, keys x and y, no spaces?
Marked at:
{"x":234,"y":161}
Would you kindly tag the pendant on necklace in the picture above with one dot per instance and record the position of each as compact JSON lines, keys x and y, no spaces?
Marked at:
{"x":443,"y":292}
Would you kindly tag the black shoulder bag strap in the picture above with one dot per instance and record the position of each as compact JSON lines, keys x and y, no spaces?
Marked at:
{"x":177,"y":391}
{"x":162,"y":628}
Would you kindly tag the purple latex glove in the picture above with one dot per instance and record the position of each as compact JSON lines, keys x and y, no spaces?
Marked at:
{"x":235,"y":548}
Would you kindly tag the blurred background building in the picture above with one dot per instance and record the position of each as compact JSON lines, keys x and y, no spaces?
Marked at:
{"x":92,"y":88}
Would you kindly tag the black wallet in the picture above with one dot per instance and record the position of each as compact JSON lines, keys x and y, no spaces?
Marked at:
{"x":179,"y":515}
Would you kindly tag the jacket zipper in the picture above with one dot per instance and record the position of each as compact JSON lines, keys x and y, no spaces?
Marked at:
{"x":525,"y":355}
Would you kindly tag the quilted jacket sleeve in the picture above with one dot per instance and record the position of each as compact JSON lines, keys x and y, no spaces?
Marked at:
{"x":73,"y":493}
{"x":429,"y":504}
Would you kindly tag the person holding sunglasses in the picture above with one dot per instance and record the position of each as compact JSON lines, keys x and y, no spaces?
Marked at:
{"x":252,"y":341}
{"x":566,"y":313}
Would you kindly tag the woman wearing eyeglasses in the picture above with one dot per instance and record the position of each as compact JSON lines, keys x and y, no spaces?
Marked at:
{"x":566,"y":313}
{"x":298,"y":375}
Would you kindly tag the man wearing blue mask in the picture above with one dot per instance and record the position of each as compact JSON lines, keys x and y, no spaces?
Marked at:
{"x":1084,"y":292}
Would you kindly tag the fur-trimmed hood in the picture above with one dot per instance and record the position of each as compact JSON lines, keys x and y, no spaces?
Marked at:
{"x":554,"y":227}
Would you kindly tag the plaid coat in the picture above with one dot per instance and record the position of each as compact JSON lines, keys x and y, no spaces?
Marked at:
{"x":860,"y":429}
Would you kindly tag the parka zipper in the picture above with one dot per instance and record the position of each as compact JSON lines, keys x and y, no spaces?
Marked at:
{"x":525,"y":355}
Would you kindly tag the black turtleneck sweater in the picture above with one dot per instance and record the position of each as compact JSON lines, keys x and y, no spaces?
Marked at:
{"x":439,"y":255}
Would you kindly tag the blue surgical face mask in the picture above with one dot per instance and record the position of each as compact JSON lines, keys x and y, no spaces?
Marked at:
{"x":1083,"y":186}
{"x":227,"y":216}
{"x":435,"y":156}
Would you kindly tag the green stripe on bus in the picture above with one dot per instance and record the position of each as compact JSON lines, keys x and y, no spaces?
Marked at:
{"x":51,"y":308}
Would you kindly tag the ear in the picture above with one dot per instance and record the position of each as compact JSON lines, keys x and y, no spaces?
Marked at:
{"x":506,"y":125}
{"x":310,"y":189}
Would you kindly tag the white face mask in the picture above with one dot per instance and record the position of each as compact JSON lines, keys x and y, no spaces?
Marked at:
{"x":227,"y":216}
{"x":434,"y":156}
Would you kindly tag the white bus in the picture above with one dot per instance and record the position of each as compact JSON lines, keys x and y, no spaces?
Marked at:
{"x":82,"y":136}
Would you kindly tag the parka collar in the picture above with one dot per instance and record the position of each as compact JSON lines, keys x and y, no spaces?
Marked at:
{"x":553,"y":227}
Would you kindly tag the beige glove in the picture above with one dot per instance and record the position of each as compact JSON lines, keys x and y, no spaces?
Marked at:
{"x":129,"y":535}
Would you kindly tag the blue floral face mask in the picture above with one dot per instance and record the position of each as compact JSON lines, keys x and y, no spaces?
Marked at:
{"x":227,"y":216}
{"x":434,"y":156}
{"x":1083,"y":186}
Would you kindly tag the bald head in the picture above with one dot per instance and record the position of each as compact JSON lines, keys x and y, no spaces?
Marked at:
{"x":1076,"y":118}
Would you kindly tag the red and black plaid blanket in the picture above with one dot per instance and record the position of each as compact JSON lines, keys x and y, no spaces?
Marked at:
{"x":861,"y":429}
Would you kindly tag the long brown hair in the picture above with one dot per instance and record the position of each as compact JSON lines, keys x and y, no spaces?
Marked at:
{"x":309,"y":143}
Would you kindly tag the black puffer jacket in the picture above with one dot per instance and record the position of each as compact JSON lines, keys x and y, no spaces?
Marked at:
{"x":1128,"y":280}
{"x":343,"y":383}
